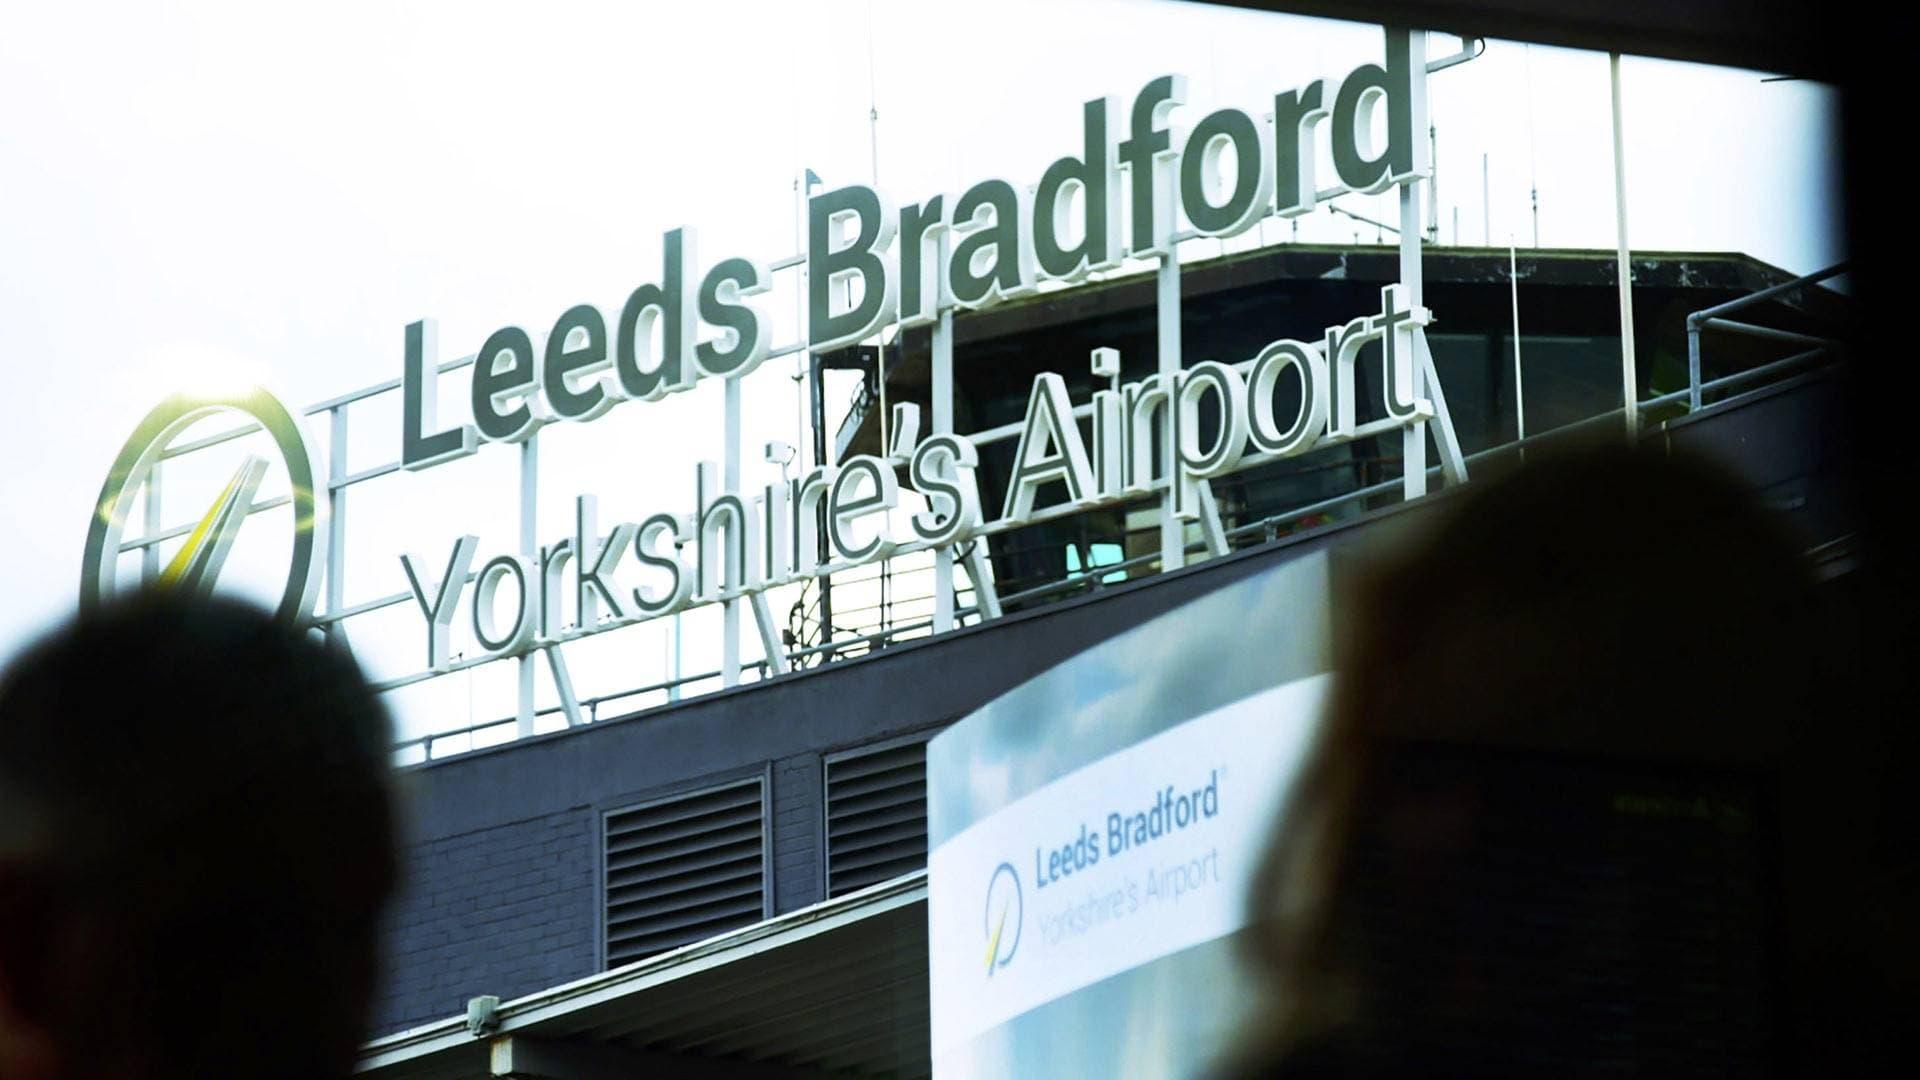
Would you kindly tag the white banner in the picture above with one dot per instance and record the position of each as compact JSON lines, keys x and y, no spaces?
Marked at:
{"x":1137,"y":856}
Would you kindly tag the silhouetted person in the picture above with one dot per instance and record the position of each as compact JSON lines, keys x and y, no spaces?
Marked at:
{"x":1532,"y":838}
{"x":196,"y":841}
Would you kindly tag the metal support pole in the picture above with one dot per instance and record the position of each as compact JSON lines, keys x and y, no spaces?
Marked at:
{"x":817,"y":391}
{"x":1173,"y":533}
{"x":673,"y":690}
{"x":1433,"y":181}
{"x":942,"y":361}
{"x":802,"y":188}
{"x":1486,"y":206}
{"x":1693,"y":365}
{"x":886,"y":448}
{"x":1629,"y":378}
{"x":530,"y":550}
{"x":1413,"y":438}
{"x":336,"y":520}
{"x":1519,"y":387}
{"x":730,"y":484}
{"x":806,"y":372}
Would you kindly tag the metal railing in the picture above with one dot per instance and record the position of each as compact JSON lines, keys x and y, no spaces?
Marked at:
{"x":1715,"y":318}
{"x":861,"y":629}
{"x":1779,"y":373}
{"x":1269,"y":527}
{"x":850,"y":638}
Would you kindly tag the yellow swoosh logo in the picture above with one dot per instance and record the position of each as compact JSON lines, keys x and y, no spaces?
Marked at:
{"x":993,"y":943}
{"x":198,"y":561}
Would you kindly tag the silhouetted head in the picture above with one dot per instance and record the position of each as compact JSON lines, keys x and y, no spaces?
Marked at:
{"x":1543,"y":710}
{"x":196,"y":841}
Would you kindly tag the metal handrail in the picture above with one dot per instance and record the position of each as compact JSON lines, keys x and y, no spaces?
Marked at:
{"x":1096,"y":575}
{"x":590,"y":705}
{"x":1712,"y":318}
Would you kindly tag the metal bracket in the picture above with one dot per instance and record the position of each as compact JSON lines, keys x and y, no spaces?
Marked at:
{"x":563,"y":684}
{"x":1453,"y":463}
{"x":770,"y":643}
{"x":985,"y":596}
{"x":1210,"y":524}
{"x":1470,"y":49}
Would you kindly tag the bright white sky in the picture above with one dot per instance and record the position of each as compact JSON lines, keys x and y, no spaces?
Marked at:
{"x":212,"y":193}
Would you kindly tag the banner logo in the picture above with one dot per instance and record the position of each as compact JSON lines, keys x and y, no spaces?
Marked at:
{"x":1006,"y":910}
{"x":196,"y":566}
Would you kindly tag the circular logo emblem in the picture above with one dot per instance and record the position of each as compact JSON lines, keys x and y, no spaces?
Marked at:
{"x":1005,"y":912}
{"x":197,"y":564}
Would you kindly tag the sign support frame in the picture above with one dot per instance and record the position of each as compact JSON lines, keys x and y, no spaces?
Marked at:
{"x":529,"y":549}
{"x":942,"y":364}
{"x":1173,"y":533}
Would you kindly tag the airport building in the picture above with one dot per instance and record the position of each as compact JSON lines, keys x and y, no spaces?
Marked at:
{"x":1017,"y":656}
{"x":736,"y":884}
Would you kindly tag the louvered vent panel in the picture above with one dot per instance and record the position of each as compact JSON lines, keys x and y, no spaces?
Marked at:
{"x":876,"y":816}
{"x":683,"y":870}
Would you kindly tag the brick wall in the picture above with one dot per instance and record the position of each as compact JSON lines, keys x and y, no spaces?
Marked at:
{"x":797,"y":828}
{"x":506,"y":910}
